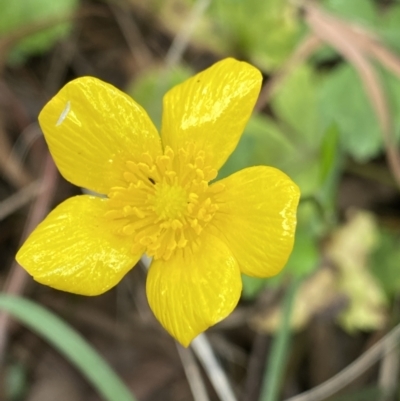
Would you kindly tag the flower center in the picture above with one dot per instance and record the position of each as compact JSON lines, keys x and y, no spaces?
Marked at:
{"x":166,"y":202}
{"x":170,"y":201}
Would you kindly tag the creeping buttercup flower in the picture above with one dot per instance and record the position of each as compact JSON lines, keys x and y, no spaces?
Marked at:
{"x":160,"y":198}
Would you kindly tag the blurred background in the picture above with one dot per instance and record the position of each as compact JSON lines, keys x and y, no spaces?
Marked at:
{"x":328,"y":115}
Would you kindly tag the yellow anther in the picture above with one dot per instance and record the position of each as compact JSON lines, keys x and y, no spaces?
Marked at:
{"x":176,"y":224}
{"x":128,"y":229}
{"x":129,"y":177}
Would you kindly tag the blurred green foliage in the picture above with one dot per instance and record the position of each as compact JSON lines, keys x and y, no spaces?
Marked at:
{"x":264,"y":32}
{"x":17,"y":15}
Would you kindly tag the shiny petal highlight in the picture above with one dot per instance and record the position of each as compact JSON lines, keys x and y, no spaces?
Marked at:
{"x":195,"y":289}
{"x":257,"y":218}
{"x":93,"y":129}
{"x":74,"y":249}
{"x":211,"y":109}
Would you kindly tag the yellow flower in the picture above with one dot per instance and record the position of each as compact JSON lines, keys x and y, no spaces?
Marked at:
{"x":160,"y":199}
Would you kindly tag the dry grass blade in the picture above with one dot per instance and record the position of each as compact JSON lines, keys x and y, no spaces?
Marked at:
{"x":337,"y":34}
{"x":193,"y":374}
{"x":368,"y":43}
{"x":389,"y":372}
{"x":353,"y":371}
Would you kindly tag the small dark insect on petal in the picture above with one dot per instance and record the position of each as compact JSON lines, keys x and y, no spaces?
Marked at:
{"x":151,"y":180}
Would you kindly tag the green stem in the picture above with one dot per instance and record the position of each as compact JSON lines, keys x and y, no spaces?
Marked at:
{"x":278,"y":357}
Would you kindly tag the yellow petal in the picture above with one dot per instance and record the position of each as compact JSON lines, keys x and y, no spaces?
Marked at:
{"x":211,"y":109}
{"x":74,"y":249}
{"x":194,"y":289}
{"x":257,"y":218}
{"x":92,"y":129}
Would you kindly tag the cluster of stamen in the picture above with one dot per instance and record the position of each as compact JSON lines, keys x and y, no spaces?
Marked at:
{"x":166,"y":202}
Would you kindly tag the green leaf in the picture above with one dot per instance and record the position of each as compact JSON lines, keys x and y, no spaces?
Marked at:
{"x":296,"y":105}
{"x":343,"y":101}
{"x":70,"y":344}
{"x":17,"y":14}
{"x":265,"y":143}
{"x":261,"y":143}
{"x":389,"y":27}
{"x":363,"y":12}
{"x":352,"y":112}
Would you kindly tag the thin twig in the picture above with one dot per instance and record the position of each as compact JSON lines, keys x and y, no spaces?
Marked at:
{"x":193,"y":374}
{"x":354,"y":370}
